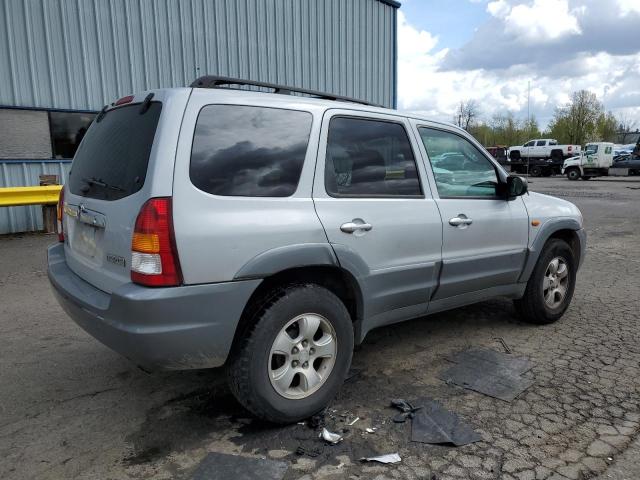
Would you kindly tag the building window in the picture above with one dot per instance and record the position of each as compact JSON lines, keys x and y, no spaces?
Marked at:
{"x":24,"y":134}
{"x":67,"y":131}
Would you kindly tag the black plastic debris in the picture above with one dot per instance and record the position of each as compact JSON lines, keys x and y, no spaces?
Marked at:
{"x":489,"y":372}
{"x":220,"y":466}
{"x":435,"y":424}
{"x":407,"y":410}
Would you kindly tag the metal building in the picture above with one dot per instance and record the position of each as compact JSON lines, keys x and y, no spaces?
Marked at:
{"x":62,"y":60}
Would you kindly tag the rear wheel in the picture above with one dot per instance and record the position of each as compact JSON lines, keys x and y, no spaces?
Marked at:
{"x":550,"y":288}
{"x":294,"y":359}
{"x":535,"y":171}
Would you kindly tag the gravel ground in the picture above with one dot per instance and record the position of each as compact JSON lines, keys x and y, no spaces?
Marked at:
{"x":71,"y":408}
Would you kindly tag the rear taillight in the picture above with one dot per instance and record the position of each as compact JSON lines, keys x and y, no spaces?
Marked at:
{"x":154,"y":258}
{"x":60,"y":211}
{"x":569,"y":148}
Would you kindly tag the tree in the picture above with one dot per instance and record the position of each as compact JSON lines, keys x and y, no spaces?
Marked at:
{"x":466,"y":114}
{"x":607,"y":127}
{"x":577,"y":122}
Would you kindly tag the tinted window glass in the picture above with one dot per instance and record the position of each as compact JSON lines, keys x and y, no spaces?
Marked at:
{"x":249,"y":151}
{"x":369,"y":157}
{"x":112,"y":161}
{"x":529,"y":144}
{"x":67,"y":131}
{"x":540,"y":143}
{"x":460,"y":169}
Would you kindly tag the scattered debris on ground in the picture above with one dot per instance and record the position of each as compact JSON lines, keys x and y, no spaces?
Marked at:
{"x":388,"y":458}
{"x":330,"y":437}
{"x":492,"y":373}
{"x":407,"y":410}
{"x":221,"y":466}
{"x":435,"y":424}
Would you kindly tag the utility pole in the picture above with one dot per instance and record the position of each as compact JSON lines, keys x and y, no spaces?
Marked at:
{"x":528,"y":120}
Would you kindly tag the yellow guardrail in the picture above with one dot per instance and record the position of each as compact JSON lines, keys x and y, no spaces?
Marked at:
{"x":15,"y":196}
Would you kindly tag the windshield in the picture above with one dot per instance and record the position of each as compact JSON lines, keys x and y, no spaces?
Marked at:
{"x":111,"y":162}
{"x":591,"y":149}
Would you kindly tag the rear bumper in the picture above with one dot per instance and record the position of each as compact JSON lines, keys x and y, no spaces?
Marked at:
{"x":157,"y":328}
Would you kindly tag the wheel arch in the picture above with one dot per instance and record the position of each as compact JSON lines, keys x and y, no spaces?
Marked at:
{"x":566,"y":229}
{"x":337,"y":280}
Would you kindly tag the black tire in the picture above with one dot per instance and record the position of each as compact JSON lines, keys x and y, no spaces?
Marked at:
{"x":248,"y":366}
{"x":573,"y":174}
{"x":535,"y":171}
{"x":532,"y":306}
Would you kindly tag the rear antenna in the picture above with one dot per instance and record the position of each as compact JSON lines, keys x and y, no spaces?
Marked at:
{"x":146,"y":104}
{"x":102,"y":113}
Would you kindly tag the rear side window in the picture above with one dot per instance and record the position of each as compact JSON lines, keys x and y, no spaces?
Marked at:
{"x":249,"y":151}
{"x":369,"y":158}
{"x":112,"y":160}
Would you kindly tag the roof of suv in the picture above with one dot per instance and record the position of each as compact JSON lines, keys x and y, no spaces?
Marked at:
{"x":299,"y":99}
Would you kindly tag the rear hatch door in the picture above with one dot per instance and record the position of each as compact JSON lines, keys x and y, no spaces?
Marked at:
{"x":125,"y":158}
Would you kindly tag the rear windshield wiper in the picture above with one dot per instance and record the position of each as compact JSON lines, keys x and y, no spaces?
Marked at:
{"x":96,"y":181}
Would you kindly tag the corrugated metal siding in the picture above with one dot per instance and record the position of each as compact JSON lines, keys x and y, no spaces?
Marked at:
{"x":21,"y":174}
{"x":81,"y":54}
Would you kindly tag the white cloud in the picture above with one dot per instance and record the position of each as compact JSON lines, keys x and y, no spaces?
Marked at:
{"x":542,"y":20}
{"x":628,"y":6}
{"x":425,"y":86}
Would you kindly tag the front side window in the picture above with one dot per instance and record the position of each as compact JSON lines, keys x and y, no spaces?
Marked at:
{"x":529,"y":144}
{"x":592,"y":149}
{"x":460,"y":169}
{"x":249,"y":151}
{"x":369,"y":158}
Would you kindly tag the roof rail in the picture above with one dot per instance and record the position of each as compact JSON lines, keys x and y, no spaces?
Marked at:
{"x":213,"y":81}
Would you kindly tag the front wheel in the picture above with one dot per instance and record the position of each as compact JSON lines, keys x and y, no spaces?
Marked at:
{"x":294,"y":359}
{"x":550,"y":288}
{"x":573,"y":174}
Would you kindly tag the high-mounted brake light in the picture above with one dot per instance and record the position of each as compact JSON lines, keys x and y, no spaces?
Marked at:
{"x":60,"y":211}
{"x":154,"y":258}
{"x":123,"y":100}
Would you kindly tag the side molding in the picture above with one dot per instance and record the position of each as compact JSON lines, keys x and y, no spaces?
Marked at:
{"x":546,"y":230}
{"x":290,"y":256}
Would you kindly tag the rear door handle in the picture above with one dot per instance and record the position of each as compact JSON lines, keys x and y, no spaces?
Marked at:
{"x":460,"y":220}
{"x":351,"y":227}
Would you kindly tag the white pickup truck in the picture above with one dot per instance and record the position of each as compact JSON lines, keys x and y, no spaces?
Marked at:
{"x":541,"y":156}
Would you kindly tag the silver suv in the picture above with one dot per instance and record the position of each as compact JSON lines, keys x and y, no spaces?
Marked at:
{"x":269,"y":232}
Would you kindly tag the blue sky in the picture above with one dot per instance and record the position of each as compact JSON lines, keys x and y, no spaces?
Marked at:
{"x":453,"y":26}
{"x":490,"y":50}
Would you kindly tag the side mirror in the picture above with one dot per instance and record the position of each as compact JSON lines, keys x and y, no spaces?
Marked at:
{"x":516,"y":186}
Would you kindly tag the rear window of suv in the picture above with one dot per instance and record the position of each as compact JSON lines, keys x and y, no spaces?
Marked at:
{"x":112,"y":160}
{"x":249,"y":151}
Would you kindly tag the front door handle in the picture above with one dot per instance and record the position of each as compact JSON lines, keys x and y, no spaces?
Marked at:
{"x":351,"y":227}
{"x":460,"y":220}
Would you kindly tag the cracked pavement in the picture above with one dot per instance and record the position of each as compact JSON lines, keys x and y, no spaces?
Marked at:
{"x":71,"y":408}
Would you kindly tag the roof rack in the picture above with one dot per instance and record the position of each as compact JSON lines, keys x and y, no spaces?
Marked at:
{"x":213,"y":81}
